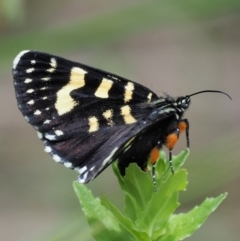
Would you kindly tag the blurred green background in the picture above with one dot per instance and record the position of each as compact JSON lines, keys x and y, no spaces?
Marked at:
{"x":172,"y":46}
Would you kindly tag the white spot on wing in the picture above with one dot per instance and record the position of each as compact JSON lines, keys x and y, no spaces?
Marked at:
{"x":58,"y":132}
{"x":46,"y":121}
{"x":30,"y":70}
{"x":57,"y":158}
{"x":37,"y":112}
{"x":67,"y":164}
{"x":18,"y":57}
{"x":53,"y":64}
{"x":45,"y":78}
{"x":85,"y":177}
{"x":113,"y":77}
{"x":48,"y":149}
{"x":82,"y":170}
{"x":30,"y":91}
{"x":30,"y":102}
{"x":82,"y":179}
{"x":50,"y":137}
{"x":26,"y":81}
{"x":40,"y":135}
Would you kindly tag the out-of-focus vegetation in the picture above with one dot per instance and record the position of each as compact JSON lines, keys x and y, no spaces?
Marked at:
{"x":110,"y":26}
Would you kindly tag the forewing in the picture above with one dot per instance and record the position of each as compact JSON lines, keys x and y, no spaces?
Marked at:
{"x":82,"y":114}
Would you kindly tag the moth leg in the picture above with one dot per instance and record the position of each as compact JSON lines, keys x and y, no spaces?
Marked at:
{"x":183,"y":125}
{"x":153,"y":157}
{"x":170,"y":142}
{"x":172,"y":138}
{"x":154,"y":177}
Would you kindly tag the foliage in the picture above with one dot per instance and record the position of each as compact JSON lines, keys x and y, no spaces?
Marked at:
{"x":147,"y":215}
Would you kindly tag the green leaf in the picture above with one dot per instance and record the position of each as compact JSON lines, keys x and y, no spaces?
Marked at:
{"x":162,"y":204}
{"x":180,"y":159}
{"x":150,"y":211}
{"x":183,"y":225}
{"x":133,"y":184}
{"x":148,"y":215}
{"x":163,"y":167}
{"x":138,"y":185}
{"x":102,"y":223}
{"x":126,"y":224}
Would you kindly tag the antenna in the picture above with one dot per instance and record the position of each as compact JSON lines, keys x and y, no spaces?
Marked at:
{"x":211,"y":91}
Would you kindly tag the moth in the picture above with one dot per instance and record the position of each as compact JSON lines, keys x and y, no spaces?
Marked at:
{"x":87,"y":118}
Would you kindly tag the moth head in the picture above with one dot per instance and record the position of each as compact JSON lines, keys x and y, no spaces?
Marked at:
{"x":183,"y":102}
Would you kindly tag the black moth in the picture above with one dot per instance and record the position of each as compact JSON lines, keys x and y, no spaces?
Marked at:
{"x":87,"y":118}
